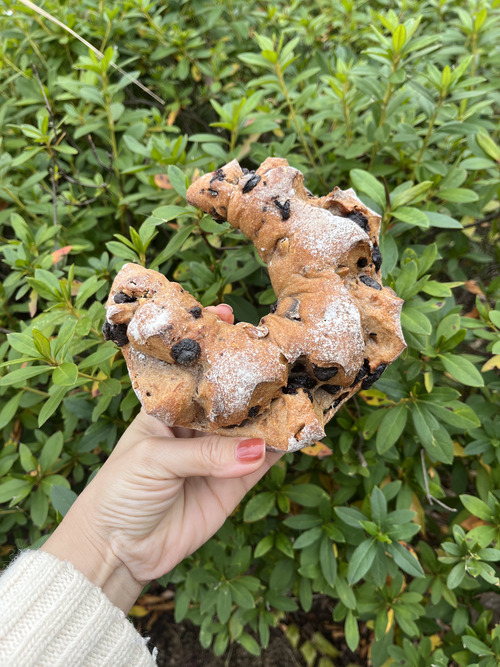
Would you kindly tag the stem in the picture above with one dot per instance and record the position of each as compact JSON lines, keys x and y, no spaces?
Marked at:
{"x":429,"y":132}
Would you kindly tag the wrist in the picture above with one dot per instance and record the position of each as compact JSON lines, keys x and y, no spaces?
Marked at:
{"x":73,"y":542}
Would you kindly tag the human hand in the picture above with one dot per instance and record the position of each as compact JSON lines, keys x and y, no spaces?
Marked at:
{"x":161,"y":494}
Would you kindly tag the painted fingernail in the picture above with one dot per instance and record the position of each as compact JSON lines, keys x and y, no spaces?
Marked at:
{"x":251,"y":450}
{"x":226,"y":306}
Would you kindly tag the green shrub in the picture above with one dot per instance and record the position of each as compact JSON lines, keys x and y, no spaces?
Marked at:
{"x":399,"y":524}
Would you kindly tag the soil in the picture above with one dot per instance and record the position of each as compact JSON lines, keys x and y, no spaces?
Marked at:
{"x":178,"y":644}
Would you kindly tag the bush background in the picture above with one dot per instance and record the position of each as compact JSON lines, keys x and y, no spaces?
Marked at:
{"x":398,"y":521}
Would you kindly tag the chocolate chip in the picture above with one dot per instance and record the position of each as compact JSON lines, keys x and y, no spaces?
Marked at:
{"x":273,"y":307}
{"x":331,"y":389}
{"x":253,"y":412}
{"x":377,"y":257}
{"x":360,"y":219}
{"x":298,"y":367}
{"x":195,"y":312}
{"x":302,"y":381}
{"x":363,"y":372}
{"x":292,"y":312}
{"x":369,"y":282}
{"x":219,"y":175}
{"x":251,"y":183}
{"x":283,"y":208}
{"x":216,"y":215}
{"x":324,"y":374}
{"x":121,"y":297}
{"x":186,"y":351}
{"x":115,"y":332}
{"x":339,"y":400}
{"x":373,"y":377}
{"x":245,"y":171}
{"x":362,"y":262}
{"x":264,"y":209}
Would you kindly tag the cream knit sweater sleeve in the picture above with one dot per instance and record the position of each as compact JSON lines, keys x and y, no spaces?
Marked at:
{"x":51,"y":614}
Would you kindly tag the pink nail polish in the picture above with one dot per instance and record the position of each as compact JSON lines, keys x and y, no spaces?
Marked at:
{"x":251,"y":450}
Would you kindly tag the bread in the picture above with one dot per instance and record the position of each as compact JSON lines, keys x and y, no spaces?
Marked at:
{"x":333,"y":330}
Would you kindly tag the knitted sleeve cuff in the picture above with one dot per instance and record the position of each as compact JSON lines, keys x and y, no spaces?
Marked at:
{"x":51,"y":614}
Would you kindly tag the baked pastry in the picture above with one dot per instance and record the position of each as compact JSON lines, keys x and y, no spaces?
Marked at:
{"x":333,"y":330}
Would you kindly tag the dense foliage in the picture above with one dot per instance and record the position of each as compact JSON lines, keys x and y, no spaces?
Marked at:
{"x":398,"y":521}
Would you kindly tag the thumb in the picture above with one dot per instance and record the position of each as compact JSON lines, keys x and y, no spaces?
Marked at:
{"x":209,"y":456}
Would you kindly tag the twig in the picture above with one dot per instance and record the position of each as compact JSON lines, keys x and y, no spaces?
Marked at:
{"x":430,"y":497}
{"x":98,"y":159}
{"x":487,"y":218}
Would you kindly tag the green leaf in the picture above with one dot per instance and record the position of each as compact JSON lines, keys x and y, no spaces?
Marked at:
{"x":22,"y":374}
{"x":51,"y":404}
{"x":65,"y":375}
{"x":177,"y":179}
{"x":62,"y":498}
{"x":412,"y":216}
{"x":361,"y":561}
{"x":175,"y":244}
{"x":391,"y":427}
{"x":456,"y":576}
{"x":345,"y":593}
{"x":405,"y":560}
{"x":259,"y":506}
{"x":476,"y":645}
{"x":249,"y":643}
{"x":454,"y":413}
{"x":378,"y":505}
{"x":39,"y":507}
{"x":307,"y":495}
{"x":103,"y":353}
{"x":307,"y":538}
{"x":458,"y":195}
{"x":51,"y":451}
{"x":224,"y":603}
{"x":488,"y":146}
{"x":462,"y":370}
{"x":28,"y":461}
{"x":442,"y":221}
{"x":350,"y":515}
{"x":415,"y":321}
{"x":363,"y":181}
{"x":351,"y":631}
{"x":477,"y":507}
{"x":9,"y":409}
{"x":327,"y":560}
{"x":410,"y":194}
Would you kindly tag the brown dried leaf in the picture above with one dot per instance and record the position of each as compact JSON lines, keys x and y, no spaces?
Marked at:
{"x":163,"y":182}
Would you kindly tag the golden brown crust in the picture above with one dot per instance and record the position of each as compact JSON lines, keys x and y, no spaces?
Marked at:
{"x":334,"y":328}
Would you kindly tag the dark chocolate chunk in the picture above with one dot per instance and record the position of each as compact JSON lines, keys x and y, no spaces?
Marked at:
{"x":339,"y":400}
{"x":264,"y":209}
{"x":121,"y":297}
{"x":217,"y":216}
{"x":186,"y":351}
{"x":324,"y":374}
{"x":253,"y":412}
{"x":377,"y":257}
{"x":195,"y":312}
{"x":283,"y":208}
{"x":293,"y":312}
{"x":273,"y":307}
{"x":369,"y":282}
{"x":331,"y":389}
{"x":373,"y":377}
{"x":115,"y":332}
{"x":363,"y":372}
{"x":301,"y":381}
{"x":298,"y":367}
{"x":362,"y":262}
{"x":219,"y":175}
{"x":213,"y":192}
{"x":245,"y":171}
{"x":251,"y":183}
{"x":360,"y":219}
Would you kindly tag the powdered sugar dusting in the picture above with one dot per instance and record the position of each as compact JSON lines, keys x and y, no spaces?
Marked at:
{"x":309,"y":434}
{"x":337,"y":337}
{"x":149,"y":320}
{"x":325,"y":236}
{"x":236,"y":374}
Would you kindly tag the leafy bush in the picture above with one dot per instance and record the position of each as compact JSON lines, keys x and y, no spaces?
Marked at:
{"x":398,"y":521}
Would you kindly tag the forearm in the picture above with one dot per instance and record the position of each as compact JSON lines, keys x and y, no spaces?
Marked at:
{"x":71,"y":542}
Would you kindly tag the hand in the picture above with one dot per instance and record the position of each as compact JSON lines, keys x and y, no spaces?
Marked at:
{"x":161,"y":494}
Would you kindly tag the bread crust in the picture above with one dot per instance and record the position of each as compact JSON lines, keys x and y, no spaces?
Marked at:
{"x":333,"y":330}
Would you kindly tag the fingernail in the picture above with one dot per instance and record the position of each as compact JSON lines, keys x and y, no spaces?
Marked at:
{"x":248,"y":451}
{"x":227,"y":306}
